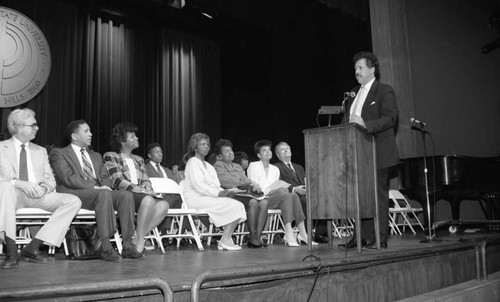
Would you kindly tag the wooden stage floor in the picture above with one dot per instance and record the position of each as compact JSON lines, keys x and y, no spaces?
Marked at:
{"x":179,"y":267}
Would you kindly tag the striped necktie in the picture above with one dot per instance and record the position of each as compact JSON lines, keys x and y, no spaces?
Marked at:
{"x":87,"y":168}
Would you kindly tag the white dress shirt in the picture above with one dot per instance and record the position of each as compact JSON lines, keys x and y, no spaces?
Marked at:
{"x":359,"y":101}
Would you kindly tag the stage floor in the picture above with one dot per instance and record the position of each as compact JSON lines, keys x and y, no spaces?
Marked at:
{"x":178,"y":267}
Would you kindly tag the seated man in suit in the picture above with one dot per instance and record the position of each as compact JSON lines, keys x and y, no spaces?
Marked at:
{"x":294,"y":174}
{"x":27,"y":181}
{"x":155,"y":169}
{"x":79,"y":171}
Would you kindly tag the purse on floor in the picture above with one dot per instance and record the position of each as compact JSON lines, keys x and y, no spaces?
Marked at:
{"x":83,"y":242}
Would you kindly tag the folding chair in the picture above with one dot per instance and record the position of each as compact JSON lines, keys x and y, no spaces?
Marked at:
{"x":168,"y":186}
{"x":276,"y":224}
{"x":26,"y":217}
{"x":401,"y":209}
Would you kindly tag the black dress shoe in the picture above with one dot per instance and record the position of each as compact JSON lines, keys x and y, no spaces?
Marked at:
{"x":320,"y":239}
{"x":132,"y":253}
{"x":10,"y":262}
{"x":373,"y":245}
{"x":33,"y":256}
{"x":253,"y":245}
{"x":352,"y":244}
{"x":110,"y":255}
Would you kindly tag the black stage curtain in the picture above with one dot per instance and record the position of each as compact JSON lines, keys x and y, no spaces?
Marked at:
{"x":107,"y":69}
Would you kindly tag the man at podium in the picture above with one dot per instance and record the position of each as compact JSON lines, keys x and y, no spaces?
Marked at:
{"x":373,"y":106}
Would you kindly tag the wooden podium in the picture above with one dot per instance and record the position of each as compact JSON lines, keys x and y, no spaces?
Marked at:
{"x":341,"y":176}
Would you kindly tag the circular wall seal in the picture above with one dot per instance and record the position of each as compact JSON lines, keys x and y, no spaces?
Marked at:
{"x":24,"y":58}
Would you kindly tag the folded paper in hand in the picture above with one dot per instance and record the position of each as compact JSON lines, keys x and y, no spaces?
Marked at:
{"x":164,"y":185}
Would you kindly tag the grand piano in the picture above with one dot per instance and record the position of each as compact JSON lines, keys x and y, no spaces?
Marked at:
{"x":453,"y":178}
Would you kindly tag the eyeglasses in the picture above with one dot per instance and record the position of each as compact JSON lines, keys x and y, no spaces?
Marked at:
{"x":33,"y":126}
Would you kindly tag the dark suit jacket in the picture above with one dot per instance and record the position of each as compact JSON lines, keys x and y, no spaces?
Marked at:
{"x":69,"y":172}
{"x":151,"y":171}
{"x":380,"y":113}
{"x":287,"y":175}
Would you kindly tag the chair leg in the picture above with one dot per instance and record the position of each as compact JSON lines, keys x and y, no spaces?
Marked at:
{"x":118,"y":242}
{"x":196,"y":235}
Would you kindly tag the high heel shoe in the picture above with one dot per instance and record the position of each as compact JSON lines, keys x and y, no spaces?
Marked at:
{"x":292,"y":243}
{"x":221,"y":246}
{"x":300,"y":240}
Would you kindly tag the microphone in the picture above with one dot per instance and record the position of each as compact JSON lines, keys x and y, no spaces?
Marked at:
{"x":413,"y":120}
{"x":347,"y":94}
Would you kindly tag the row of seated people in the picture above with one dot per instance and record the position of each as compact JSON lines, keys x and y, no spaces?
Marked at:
{"x":119,"y":181}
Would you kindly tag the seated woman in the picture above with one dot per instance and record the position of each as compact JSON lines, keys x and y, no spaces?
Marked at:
{"x":241,"y":158}
{"x":202,"y":191}
{"x":266,"y":175}
{"x":127,"y":171}
{"x":231,"y":175}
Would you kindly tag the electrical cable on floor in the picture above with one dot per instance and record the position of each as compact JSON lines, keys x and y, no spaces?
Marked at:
{"x":317,"y":270}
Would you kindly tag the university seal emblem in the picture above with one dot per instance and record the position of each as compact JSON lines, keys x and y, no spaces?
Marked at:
{"x":24,"y":58}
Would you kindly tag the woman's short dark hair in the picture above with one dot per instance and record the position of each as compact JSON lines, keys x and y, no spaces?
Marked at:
{"x":193,"y":142}
{"x":371,"y":61}
{"x":221,"y":143}
{"x":119,"y":134}
{"x":263,"y":143}
{"x":71,"y":128}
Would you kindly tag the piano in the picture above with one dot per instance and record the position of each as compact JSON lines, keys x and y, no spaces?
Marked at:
{"x":453,"y":178}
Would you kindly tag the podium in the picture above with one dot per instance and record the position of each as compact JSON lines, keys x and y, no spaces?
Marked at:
{"x":341,"y":176}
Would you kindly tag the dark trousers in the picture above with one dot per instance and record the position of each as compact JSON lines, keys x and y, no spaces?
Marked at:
{"x":367,"y":225}
{"x":104,"y":203}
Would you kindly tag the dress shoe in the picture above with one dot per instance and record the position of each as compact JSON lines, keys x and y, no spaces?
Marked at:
{"x":292,"y":243}
{"x":33,"y":256}
{"x":302,"y":240}
{"x":148,"y":246}
{"x":373,"y":245}
{"x":352,"y":244}
{"x":110,"y":255}
{"x":221,"y":247}
{"x":132,"y":253}
{"x":320,"y":239}
{"x":10,"y":262}
{"x":253,"y":245}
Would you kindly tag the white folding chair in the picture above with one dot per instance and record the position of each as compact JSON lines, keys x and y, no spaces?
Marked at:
{"x":401,"y":212}
{"x":276,"y":224}
{"x":26,"y":217}
{"x":168,"y":186}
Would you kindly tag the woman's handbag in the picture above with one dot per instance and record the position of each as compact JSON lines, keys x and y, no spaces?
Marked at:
{"x":83,"y":242}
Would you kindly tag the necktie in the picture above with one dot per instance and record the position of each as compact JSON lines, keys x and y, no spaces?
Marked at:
{"x":23,"y":164}
{"x":87,"y":168}
{"x":357,"y":103}
{"x":159,"y":170}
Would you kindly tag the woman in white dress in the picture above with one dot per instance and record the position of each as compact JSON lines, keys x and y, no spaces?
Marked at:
{"x":266,"y":175}
{"x":203,"y":191}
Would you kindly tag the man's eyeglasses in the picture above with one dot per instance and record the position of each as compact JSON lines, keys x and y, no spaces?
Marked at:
{"x":33,"y":126}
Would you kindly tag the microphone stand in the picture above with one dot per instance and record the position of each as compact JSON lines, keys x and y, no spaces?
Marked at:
{"x":432,"y":236}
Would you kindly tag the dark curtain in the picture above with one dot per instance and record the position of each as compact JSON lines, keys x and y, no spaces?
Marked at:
{"x":107,"y":70}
